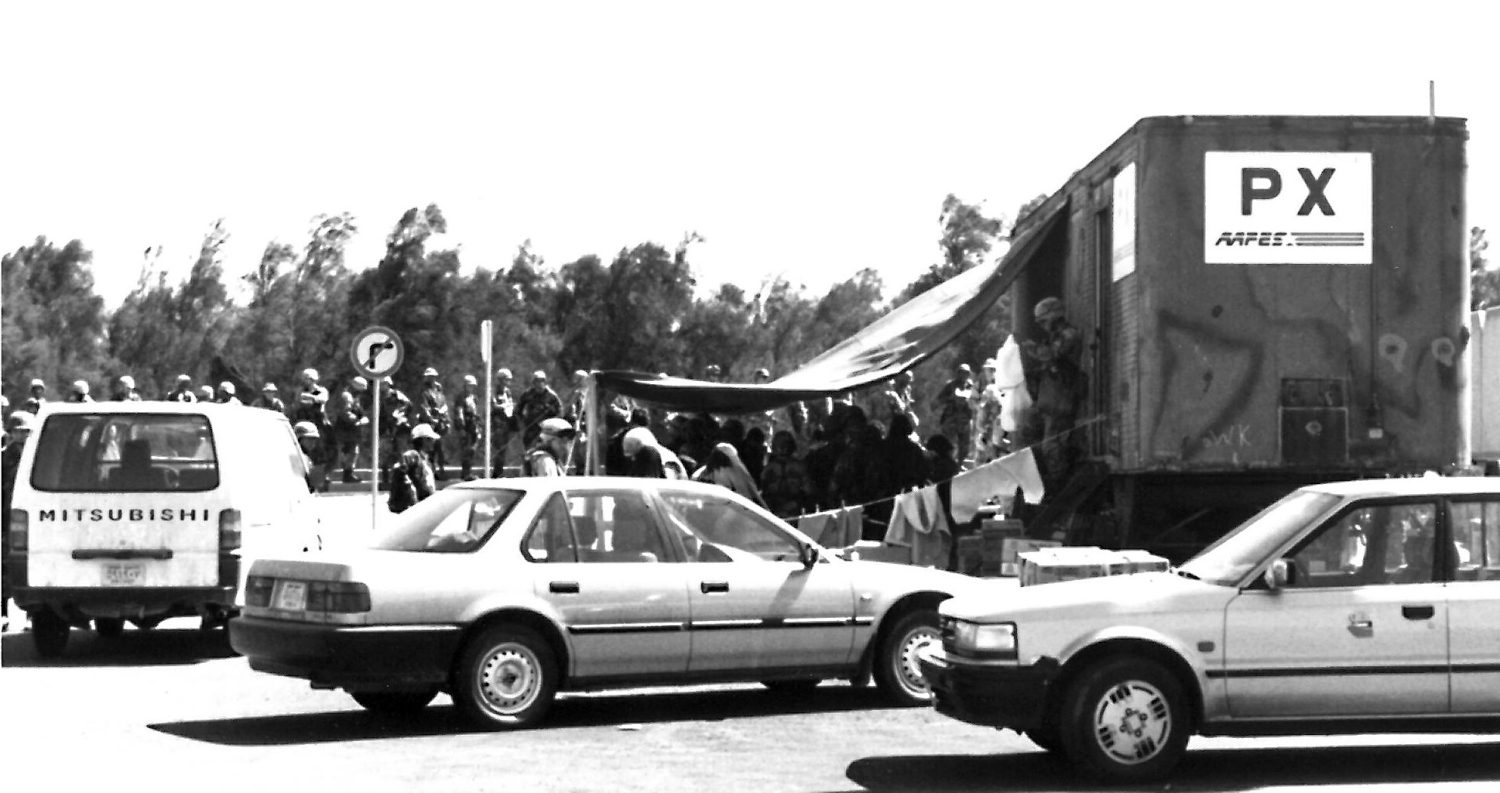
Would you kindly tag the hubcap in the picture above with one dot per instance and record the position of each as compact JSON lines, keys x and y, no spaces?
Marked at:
{"x":907,"y":668}
{"x":509,"y":679}
{"x":1132,"y":722}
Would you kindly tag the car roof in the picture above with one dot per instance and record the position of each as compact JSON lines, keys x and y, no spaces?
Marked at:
{"x":220,"y":412}
{"x":581,"y":483}
{"x":1410,"y":486}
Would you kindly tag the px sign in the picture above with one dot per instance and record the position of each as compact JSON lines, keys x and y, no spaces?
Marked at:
{"x":1287,"y":207}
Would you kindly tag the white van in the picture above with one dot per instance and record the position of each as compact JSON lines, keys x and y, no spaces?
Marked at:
{"x":143,"y":511}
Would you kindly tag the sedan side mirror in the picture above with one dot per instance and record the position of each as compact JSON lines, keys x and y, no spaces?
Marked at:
{"x":808,"y":554}
{"x":1279,"y":575}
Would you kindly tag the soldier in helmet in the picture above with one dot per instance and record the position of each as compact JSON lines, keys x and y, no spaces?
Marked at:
{"x":502,"y":421}
{"x":226,"y":394}
{"x":536,"y":404}
{"x":270,"y":399}
{"x":432,"y":409}
{"x":18,"y":427}
{"x":36,"y":398}
{"x":1053,"y":370}
{"x":80,"y":392}
{"x":411,"y":477}
{"x":313,"y":456}
{"x":468,"y":420}
{"x":124,"y":390}
{"x":351,"y":419}
{"x":184,"y":390}
{"x":206,"y":393}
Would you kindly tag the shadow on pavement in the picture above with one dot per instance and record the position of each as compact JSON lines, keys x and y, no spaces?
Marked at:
{"x":158,"y":647}
{"x":570,"y":712}
{"x":1202,"y":770}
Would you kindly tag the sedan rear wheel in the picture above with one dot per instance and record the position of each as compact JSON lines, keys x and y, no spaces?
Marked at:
{"x":896,"y":669}
{"x":506,"y":678}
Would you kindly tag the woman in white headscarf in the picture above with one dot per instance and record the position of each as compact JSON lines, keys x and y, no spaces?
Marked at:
{"x":648,"y":458}
{"x":725,"y":468}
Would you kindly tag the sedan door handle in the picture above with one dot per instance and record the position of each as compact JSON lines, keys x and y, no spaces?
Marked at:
{"x":563,"y":587}
{"x":1417,"y":612}
{"x":710,"y":587}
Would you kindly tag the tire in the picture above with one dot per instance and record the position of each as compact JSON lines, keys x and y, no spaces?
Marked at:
{"x":109,"y":627}
{"x":506,"y":678}
{"x":394,"y":703}
{"x":802,"y":686}
{"x":896,"y":670}
{"x":49,"y":632}
{"x":1125,"y":720}
{"x":146,"y":623}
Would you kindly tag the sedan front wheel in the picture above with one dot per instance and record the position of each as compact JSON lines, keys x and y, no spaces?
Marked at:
{"x":506,"y":678}
{"x":897,"y":672}
{"x":1125,"y":720}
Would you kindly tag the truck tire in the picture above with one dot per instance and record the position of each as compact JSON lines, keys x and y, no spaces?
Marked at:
{"x":394,"y":703}
{"x":505,"y":679}
{"x":1124,"y":720}
{"x":109,"y":627}
{"x":896,"y":670}
{"x":49,"y":632}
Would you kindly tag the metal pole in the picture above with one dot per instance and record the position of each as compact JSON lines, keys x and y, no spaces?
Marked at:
{"x":489,"y":405}
{"x":375,"y":457}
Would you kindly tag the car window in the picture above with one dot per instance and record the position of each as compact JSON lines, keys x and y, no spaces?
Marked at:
{"x":720,"y":530}
{"x":1476,"y":540}
{"x":450,"y":521}
{"x":606,"y":527}
{"x":125,"y":452}
{"x":1235,"y":554}
{"x":1369,"y":544}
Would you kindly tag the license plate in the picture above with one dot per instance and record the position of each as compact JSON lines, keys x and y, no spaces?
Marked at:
{"x":124,"y":574}
{"x":291,"y":595}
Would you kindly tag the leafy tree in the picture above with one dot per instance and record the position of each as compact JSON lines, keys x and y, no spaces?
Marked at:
{"x":720,"y":331}
{"x":53,"y":323}
{"x":1486,"y":281}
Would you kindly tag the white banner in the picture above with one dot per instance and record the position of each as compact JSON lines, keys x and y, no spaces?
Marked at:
{"x":1287,"y":207}
{"x":1123,"y":232}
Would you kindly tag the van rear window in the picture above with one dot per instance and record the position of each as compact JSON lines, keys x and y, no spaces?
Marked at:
{"x":125,"y":453}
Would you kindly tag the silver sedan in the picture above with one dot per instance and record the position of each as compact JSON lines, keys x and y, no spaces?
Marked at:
{"x":504,"y":592}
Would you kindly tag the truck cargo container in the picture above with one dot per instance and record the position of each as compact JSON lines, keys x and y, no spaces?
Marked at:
{"x":1265,"y":302}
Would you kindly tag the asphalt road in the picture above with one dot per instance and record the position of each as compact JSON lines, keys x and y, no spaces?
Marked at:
{"x":174,"y":710}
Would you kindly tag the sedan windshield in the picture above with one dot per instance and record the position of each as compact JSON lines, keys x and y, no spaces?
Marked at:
{"x":456,"y":520}
{"x":1238,"y":552}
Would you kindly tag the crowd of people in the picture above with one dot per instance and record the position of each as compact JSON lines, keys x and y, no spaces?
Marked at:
{"x":851,"y":449}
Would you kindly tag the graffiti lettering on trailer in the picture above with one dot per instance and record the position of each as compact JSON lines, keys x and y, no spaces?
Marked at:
{"x":1235,"y":436}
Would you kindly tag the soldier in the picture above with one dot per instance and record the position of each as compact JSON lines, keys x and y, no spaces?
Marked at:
{"x":956,"y":411}
{"x":1052,"y":363}
{"x":895,"y":401}
{"x":312,"y":401}
{"x":411,"y":477}
{"x":205,"y":393}
{"x":313,"y":456}
{"x":124,"y":390}
{"x":986,"y":432}
{"x":184,"y":390}
{"x":432,"y":409}
{"x":226,"y":394}
{"x":395,"y":421}
{"x":17,"y":429}
{"x":536,"y":404}
{"x":502,"y":421}
{"x":351,"y":415}
{"x":466,"y":417}
{"x":37,"y":398}
{"x":270,"y":399}
{"x":80,"y":392}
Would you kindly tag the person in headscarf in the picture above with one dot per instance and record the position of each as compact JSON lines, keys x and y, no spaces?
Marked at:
{"x":648,"y":458}
{"x":725,"y":468}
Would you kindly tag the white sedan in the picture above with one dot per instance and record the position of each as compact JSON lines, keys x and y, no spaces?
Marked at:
{"x":503,"y":592}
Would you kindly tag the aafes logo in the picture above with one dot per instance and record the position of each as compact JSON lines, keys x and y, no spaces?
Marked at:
{"x":1287,"y":207}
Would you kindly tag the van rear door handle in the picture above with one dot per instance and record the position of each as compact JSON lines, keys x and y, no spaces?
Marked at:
{"x":563,"y":587}
{"x":710,"y":587}
{"x":1417,"y":612}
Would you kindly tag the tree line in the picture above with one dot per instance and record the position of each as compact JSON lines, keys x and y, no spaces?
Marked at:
{"x":639,"y":310}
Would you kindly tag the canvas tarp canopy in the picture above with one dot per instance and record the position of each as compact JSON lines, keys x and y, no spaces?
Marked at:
{"x":892,"y":344}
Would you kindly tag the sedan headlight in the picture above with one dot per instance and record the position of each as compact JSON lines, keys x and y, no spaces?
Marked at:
{"x":997,"y":641}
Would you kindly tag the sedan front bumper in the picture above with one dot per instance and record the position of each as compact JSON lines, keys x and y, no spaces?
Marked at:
{"x":986,"y":694}
{"x":351,"y":657}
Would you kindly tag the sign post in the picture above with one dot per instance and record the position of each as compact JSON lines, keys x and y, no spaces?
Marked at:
{"x":487,"y":354}
{"x":376,"y":352}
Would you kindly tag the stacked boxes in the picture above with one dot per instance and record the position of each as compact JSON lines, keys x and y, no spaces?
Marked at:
{"x":993,"y":535}
{"x":1047,"y":565}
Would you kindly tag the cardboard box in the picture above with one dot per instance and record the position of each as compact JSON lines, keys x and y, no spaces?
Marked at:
{"x":1013,"y":547}
{"x":1046,"y":565}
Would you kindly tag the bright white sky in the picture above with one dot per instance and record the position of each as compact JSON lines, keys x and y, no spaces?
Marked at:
{"x":800,"y":139}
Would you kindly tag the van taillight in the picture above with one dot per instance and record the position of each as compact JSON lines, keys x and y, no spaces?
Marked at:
{"x":19,"y":523}
{"x":229,"y":530}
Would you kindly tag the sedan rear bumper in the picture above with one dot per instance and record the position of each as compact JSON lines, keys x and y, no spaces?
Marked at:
{"x":351,"y":657}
